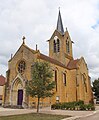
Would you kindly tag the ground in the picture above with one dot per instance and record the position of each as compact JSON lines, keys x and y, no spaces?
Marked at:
{"x":76,"y":115}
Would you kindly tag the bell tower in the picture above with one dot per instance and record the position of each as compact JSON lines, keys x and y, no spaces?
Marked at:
{"x":60,"y":44}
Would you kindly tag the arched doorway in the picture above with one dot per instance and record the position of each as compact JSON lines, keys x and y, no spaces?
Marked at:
{"x":17,"y":92}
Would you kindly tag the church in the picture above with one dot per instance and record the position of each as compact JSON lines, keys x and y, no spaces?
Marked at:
{"x":71,"y":75}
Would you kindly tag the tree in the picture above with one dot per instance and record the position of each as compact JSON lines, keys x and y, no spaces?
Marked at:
{"x":95,"y":87}
{"x":41,"y":85}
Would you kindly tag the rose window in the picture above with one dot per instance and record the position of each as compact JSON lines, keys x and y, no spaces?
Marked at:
{"x":21,"y":67}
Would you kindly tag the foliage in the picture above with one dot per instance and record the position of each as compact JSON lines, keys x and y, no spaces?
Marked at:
{"x":73,"y":106}
{"x":41,"y":85}
{"x":95,"y":87}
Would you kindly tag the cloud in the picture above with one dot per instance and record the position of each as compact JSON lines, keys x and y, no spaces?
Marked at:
{"x":37,"y":20}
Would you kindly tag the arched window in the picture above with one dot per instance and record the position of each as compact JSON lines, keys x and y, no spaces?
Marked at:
{"x":84,"y":81}
{"x":54,"y":46}
{"x":56,"y":78}
{"x":58,"y":45}
{"x":64,"y":78}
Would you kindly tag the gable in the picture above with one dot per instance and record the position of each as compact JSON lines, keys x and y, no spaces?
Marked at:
{"x":24,"y":52}
{"x":56,"y":33}
{"x":82,"y":64}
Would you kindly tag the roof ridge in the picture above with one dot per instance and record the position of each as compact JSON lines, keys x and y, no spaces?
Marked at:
{"x":48,"y":58}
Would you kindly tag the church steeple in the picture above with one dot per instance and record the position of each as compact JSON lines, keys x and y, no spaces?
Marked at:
{"x":60,"y":24}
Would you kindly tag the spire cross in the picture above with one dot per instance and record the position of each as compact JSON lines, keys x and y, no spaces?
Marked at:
{"x":23,"y":39}
{"x":59,"y":8}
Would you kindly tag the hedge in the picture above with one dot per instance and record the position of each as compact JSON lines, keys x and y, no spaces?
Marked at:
{"x":73,"y":106}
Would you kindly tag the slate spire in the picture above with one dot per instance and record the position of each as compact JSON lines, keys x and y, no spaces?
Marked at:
{"x":60,"y":24}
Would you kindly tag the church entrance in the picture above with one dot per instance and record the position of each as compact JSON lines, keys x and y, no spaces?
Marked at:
{"x":20,"y":97}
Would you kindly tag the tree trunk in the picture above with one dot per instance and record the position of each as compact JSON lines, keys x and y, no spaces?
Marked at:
{"x":38,"y":105}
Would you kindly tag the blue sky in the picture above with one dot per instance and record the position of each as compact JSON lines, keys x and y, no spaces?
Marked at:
{"x":37,"y":19}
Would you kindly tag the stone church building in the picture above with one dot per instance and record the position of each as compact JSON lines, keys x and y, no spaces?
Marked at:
{"x":71,"y":75}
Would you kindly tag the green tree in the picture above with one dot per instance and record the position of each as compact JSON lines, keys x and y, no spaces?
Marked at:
{"x":41,"y":85}
{"x":95,"y":87}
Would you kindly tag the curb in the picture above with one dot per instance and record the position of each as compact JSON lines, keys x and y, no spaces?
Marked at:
{"x":72,"y":118}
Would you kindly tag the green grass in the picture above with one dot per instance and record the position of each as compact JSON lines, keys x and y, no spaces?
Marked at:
{"x":34,"y":116}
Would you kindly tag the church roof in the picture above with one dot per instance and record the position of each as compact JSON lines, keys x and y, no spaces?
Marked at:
{"x":73,"y":64}
{"x":60,"y":24}
{"x":2,"y":80}
{"x":51,"y":60}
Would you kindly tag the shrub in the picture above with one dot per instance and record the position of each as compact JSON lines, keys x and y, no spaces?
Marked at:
{"x":73,"y":105}
{"x":90,"y":107}
{"x":82,"y":107}
{"x":56,"y":106}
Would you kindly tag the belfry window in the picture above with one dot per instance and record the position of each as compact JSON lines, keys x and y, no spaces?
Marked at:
{"x":58,"y":45}
{"x":54,"y":46}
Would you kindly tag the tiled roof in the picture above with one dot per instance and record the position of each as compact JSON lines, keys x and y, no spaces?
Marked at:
{"x":53,"y":61}
{"x":72,"y":64}
{"x":2,"y":80}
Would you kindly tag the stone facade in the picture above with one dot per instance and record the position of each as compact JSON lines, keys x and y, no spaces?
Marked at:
{"x":71,"y":76}
{"x":2,"y":83}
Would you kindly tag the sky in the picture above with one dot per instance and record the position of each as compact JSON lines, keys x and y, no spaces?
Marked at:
{"x":37,"y":20}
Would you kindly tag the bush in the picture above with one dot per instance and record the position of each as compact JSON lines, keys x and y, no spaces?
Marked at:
{"x":56,"y":106}
{"x":80,"y":102}
{"x":90,"y":107}
{"x":73,"y":105}
{"x":82,"y":107}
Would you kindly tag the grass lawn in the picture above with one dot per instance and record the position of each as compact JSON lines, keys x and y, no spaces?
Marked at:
{"x":33,"y":116}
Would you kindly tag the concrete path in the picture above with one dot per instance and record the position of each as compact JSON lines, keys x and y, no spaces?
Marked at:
{"x":74,"y":114}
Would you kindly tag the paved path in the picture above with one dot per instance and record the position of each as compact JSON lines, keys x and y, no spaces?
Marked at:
{"x":7,"y":111}
{"x":74,"y":114}
{"x":94,"y":116}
